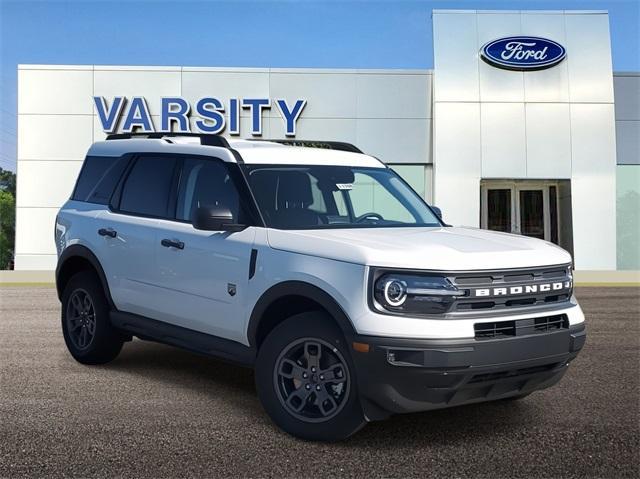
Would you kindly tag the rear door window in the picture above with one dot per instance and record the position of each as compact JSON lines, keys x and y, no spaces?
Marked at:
{"x":147,"y":188}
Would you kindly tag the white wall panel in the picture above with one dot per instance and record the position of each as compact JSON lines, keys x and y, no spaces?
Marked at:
{"x":551,"y":84}
{"x":593,"y":186}
{"x":34,"y":230}
{"x":36,"y":262}
{"x":593,"y":140}
{"x":54,"y":137}
{"x":503,"y":140}
{"x":393,"y":96}
{"x":455,"y":57}
{"x":627,"y":93}
{"x":395,"y":141}
{"x":589,"y":58}
{"x":46,"y":183}
{"x":328,"y":95}
{"x":338,"y":129}
{"x":152,"y":85}
{"x":628,"y":142}
{"x":548,"y":140}
{"x":457,"y":168}
{"x":497,"y":84}
{"x":55,"y":91}
{"x":226,"y":85}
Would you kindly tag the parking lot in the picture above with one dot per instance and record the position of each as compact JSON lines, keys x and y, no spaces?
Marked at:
{"x":160,"y":412}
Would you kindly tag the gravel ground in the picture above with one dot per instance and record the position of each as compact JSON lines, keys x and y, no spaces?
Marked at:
{"x":160,"y":412}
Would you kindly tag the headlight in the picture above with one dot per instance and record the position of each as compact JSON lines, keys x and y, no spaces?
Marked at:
{"x":410,"y":293}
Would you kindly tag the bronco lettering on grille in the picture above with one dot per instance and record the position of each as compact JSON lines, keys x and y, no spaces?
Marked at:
{"x":521,"y":289}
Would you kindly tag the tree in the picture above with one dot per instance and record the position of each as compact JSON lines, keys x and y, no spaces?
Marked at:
{"x":7,"y":217}
{"x":8,"y":181}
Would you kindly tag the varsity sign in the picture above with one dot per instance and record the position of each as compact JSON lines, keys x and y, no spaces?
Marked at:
{"x":132,"y":114}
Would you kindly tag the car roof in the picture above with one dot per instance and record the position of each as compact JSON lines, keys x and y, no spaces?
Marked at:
{"x":250,"y":151}
{"x":266,"y":152}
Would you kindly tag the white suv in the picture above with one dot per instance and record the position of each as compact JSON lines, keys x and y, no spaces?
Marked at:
{"x":315,"y":264}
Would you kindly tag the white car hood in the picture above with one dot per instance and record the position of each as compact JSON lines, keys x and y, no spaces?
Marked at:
{"x":441,"y":248}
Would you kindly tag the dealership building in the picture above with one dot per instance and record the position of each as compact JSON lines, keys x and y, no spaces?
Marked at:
{"x":542,"y":141}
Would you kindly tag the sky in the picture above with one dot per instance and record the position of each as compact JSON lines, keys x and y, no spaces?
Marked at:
{"x":314,"y":34}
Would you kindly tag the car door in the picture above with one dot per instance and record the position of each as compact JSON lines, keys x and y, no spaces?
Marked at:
{"x":202,"y":276}
{"x":128,"y":231}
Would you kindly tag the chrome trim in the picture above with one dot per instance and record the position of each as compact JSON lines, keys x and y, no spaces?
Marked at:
{"x":434,"y":292}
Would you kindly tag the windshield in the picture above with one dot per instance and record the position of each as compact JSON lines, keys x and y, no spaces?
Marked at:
{"x":316,"y":197}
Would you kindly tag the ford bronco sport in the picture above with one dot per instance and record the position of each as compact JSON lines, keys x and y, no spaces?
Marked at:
{"x":316,"y":265}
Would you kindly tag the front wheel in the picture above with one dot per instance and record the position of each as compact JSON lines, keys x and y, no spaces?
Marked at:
{"x":306,"y":380}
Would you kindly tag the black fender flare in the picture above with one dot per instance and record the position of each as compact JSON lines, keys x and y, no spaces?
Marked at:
{"x":297,"y":288}
{"x":81,"y":251}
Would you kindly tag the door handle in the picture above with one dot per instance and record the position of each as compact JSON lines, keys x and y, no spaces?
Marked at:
{"x":167,"y":243}
{"x":110,"y":232}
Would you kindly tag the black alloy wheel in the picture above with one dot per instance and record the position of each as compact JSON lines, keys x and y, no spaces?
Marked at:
{"x":312,"y":380}
{"x":86,"y":326}
{"x":81,"y":319}
{"x":306,"y":379}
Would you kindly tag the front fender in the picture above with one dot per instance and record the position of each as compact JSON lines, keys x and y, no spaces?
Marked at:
{"x":297,"y":288}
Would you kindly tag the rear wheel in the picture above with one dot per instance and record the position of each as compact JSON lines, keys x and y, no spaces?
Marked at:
{"x":306,"y":380}
{"x":87,"y":330}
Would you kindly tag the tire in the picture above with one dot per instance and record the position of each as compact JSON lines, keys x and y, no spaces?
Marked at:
{"x":324,"y":404}
{"x":87,"y":330}
{"x":517,"y":398}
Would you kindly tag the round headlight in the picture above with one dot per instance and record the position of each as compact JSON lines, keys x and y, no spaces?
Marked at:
{"x":411,"y":293}
{"x":395,"y":292}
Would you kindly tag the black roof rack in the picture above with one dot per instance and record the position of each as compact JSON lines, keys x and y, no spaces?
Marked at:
{"x":205,"y":139}
{"x":327,"y":145}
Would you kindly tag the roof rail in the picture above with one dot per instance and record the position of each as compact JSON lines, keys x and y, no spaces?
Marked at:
{"x":205,"y":139}
{"x":327,"y":145}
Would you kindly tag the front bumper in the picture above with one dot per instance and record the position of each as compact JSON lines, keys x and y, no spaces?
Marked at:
{"x":410,"y":375}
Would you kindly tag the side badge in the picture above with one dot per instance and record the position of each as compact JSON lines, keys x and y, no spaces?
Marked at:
{"x":231,"y":289}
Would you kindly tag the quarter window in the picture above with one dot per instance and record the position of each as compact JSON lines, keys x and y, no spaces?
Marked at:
{"x":147,"y":189}
{"x":98,"y":178}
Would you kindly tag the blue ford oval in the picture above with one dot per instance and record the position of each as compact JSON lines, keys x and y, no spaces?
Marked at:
{"x":523,"y":53}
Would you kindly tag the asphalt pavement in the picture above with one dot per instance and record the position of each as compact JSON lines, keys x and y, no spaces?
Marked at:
{"x":157,"y":411}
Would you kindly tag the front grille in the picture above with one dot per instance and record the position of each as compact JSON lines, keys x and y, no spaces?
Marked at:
{"x":521,"y":327}
{"x":510,"y":289}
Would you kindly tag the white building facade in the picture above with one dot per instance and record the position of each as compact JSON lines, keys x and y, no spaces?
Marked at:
{"x":551,"y":153}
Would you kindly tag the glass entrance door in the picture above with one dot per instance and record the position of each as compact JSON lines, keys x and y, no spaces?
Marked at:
{"x":525,"y":208}
{"x":531,"y":209}
{"x":499,"y":211}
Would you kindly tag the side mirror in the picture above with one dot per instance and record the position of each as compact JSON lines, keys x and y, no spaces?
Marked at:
{"x":437,"y":211}
{"x":215,"y":218}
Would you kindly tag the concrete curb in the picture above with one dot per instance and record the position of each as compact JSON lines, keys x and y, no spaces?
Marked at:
{"x":581,"y":278}
{"x":607,"y":278}
{"x":26,"y":277}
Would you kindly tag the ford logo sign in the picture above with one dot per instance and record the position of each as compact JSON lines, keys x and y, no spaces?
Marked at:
{"x":523,"y":53}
